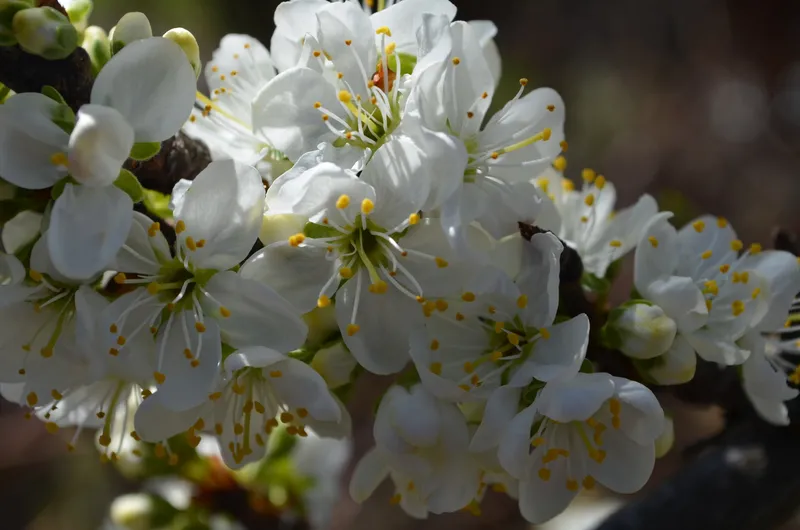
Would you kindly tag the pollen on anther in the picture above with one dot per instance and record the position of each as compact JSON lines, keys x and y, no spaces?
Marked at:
{"x":699,"y":226}
{"x":755,"y":248}
{"x":722,"y":222}
{"x":616,"y":243}
{"x":736,"y":245}
{"x":523,"y":81}
{"x":560,"y":164}
{"x":352,"y":329}
{"x":522,"y":301}
{"x":589,"y":200}
{"x":367,"y":206}
{"x":653,"y":241}
{"x":159,"y":377}
{"x":224,"y":311}
{"x":495,"y":155}
{"x":323,"y":301}
{"x":588,"y":175}
{"x":456,"y":61}
{"x":441,"y":262}
{"x":435,"y":368}
{"x":737,"y":307}
{"x":706,"y":255}
{"x":180,"y":227}
{"x":346,"y":273}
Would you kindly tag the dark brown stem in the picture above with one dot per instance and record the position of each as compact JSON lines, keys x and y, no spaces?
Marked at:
{"x":181,"y":157}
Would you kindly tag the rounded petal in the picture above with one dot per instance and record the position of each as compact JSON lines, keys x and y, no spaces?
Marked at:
{"x":782,"y":275}
{"x":627,"y":465}
{"x":99,"y":145}
{"x":500,"y":410}
{"x":246,"y":56}
{"x":257,"y":315}
{"x":370,"y":471}
{"x":151,"y":83}
{"x":681,"y":300}
{"x":253,"y":356}
{"x":22,"y":229}
{"x":28,"y":141}
{"x":88,"y":226}
{"x":656,"y":253}
{"x":541,"y":500}
{"x":403,"y":19}
{"x":701,"y":235}
{"x":284,"y":111}
{"x":145,"y":248}
{"x":300,"y":386}
{"x":515,"y":444}
{"x":641,"y":415}
{"x":223,"y":207}
{"x":539,"y":278}
{"x":416,"y":418}
{"x":575,"y":399}
{"x":155,"y":423}
{"x":677,"y":365}
{"x":558,"y":356}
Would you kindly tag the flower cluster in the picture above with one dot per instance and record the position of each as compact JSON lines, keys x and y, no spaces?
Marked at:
{"x":365,"y":210}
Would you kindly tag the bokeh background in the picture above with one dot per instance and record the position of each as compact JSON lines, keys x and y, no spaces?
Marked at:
{"x":694,"y":101}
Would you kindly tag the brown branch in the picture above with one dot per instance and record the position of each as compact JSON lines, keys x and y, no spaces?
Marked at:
{"x":181,"y":157}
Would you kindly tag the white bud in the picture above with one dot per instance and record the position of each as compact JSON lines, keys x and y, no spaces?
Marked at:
{"x":131,"y":27}
{"x":132,"y":511}
{"x":643,"y":331}
{"x":97,"y":45}
{"x":335,"y":364}
{"x":21,"y":230}
{"x":78,"y":11}
{"x":667,"y":438}
{"x":45,"y":32}
{"x":188,"y":44}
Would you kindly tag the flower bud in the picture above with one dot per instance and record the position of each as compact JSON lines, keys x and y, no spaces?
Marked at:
{"x":9,"y":8}
{"x":45,"y":32}
{"x":97,"y":45}
{"x":667,"y":438}
{"x":131,"y":27}
{"x":335,"y":364}
{"x":640,"y":330}
{"x":78,"y":11}
{"x":188,"y":44}
{"x":132,"y":511}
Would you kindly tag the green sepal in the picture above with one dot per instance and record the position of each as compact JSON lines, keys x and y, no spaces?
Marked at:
{"x":53,"y":94}
{"x":157,"y":203}
{"x":407,"y":62}
{"x":127,"y":182}
{"x":145,"y":150}
{"x":587,"y":367}
{"x":64,"y":118}
{"x":8,"y":9}
{"x":317,"y":231}
{"x":592,"y":283}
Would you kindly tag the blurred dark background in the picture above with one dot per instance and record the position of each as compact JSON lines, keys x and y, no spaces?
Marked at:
{"x":694,"y":101}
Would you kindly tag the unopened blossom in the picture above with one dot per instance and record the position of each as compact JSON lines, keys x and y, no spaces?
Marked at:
{"x":469,"y":347}
{"x":422,"y":445}
{"x":593,"y":428}
{"x":143,"y":95}
{"x":585,"y":218}
{"x":363,"y":242}
{"x":189,"y":299}
{"x":713,"y":287}
{"x":223,"y":120}
{"x":259,"y":389}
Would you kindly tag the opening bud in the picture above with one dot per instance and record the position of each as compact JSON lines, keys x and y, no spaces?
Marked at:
{"x":131,"y":27}
{"x":667,"y":438}
{"x":45,"y":32}
{"x":640,"y":330}
{"x":9,"y":8}
{"x":98,"y":46}
{"x":335,"y":364}
{"x":188,"y":44}
{"x":78,"y":11}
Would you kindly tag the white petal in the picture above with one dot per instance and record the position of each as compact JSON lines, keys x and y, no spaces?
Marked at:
{"x":716,"y":348}
{"x":297,"y":274}
{"x":247,"y":57}
{"x":253,"y":356}
{"x":782,"y":273}
{"x":155,"y":423}
{"x":385,"y":320}
{"x":258,"y":315}
{"x":681,"y":300}
{"x":656,"y":257}
{"x":677,"y":365}
{"x":710,"y":237}
{"x":416,"y":418}
{"x":151,"y":83}
{"x":224,"y":207}
{"x":285,"y":116}
{"x":370,"y":471}
{"x":12,"y":272}
{"x":541,"y":500}
{"x":301,"y":387}
{"x":403,"y":19}
{"x":485,"y":31}
{"x":557,"y":357}
{"x":28,"y":140}
{"x":539,"y":277}
{"x":575,"y":399}
{"x":87,"y":228}
{"x":627,"y":465}
{"x":500,"y":410}
{"x":188,"y":386}
{"x":515,"y":444}
{"x":20,"y":231}
{"x":642,"y":418}
{"x":99,"y":145}
{"x":387,"y":437}
{"x":142,"y":253}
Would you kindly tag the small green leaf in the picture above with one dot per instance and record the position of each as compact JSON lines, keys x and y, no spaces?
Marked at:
{"x":157,"y":203}
{"x":53,"y":94}
{"x":318,"y":231}
{"x":407,"y":62}
{"x":590,"y":282}
{"x":145,"y":150}
{"x":64,"y":117}
{"x":127,"y":182}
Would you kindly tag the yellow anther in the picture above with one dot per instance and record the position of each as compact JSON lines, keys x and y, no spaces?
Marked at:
{"x":180,"y":227}
{"x":469,"y":367}
{"x":560,"y":163}
{"x":616,"y":422}
{"x":484,"y":95}
{"x":465,"y":388}
{"x":564,"y":145}
{"x":456,"y":61}
{"x":113,"y":352}
{"x":616,"y":243}
{"x":495,"y":155}
{"x":468,"y":296}
{"x":572,"y":484}
{"x":383,"y":30}
{"x":589,"y":200}
{"x":513,"y":338}
{"x":653,"y":241}
{"x":736,"y":245}
{"x":523,"y":81}
{"x":379,"y":287}
{"x":201,"y":243}
{"x":346,"y":273}
{"x":32,"y":399}
{"x":706,"y":254}
{"x":316,"y":53}
{"x":588,"y":175}
{"x":546,"y":133}
{"x":699,"y":226}
{"x":491,"y":310}
{"x":317,"y":105}
{"x":413,"y":218}
{"x":522,"y":301}
{"x":154,"y":229}
{"x":544,"y":333}
{"x":756,"y":292}
{"x":498,"y":326}
{"x":224,"y":311}
{"x":352,"y":329}
{"x":395,"y":499}
{"x":286,"y":417}
{"x":390,"y":48}
{"x":536,"y":442}
{"x":543,"y":183}
{"x":112,"y":328}
{"x":711,"y":287}
{"x":544,"y":474}
{"x":323,"y":301}
{"x":568,"y":185}
{"x":435,"y":368}
{"x":367,"y":206}
{"x":56,"y":395}
{"x":120,"y":278}
{"x":551,"y":108}
{"x":345,"y":96}
{"x":441,"y":262}
{"x":35,"y":275}
{"x":724,"y":268}
{"x":584,"y":219}
{"x":153,"y":288}
{"x":297,"y":239}
{"x":441,"y":305}
{"x":470,"y":115}
{"x":121,"y":340}
{"x":737,"y":307}
{"x":46,"y":352}
{"x":59,"y":159}
{"x":589,"y":482}
{"x":460,"y":317}
{"x":755,"y":248}
{"x":615,"y":406}
{"x":495,"y":356}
